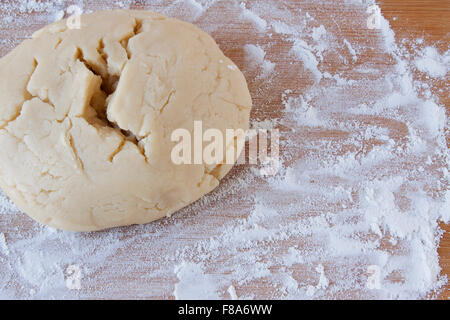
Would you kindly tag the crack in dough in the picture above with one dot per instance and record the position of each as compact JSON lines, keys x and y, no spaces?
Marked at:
{"x":28,"y":96}
{"x":86,"y":118}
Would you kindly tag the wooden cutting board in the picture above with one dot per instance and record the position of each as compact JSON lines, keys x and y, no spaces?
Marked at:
{"x":429,"y":19}
{"x":412,"y":18}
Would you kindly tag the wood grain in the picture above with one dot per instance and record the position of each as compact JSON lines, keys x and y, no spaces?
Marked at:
{"x":429,"y":19}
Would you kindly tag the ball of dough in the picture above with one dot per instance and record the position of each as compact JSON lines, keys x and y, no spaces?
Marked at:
{"x":86,"y":117}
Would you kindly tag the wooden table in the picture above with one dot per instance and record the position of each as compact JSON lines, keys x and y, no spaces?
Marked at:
{"x":430,"y":19}
{"x":408,"y":18}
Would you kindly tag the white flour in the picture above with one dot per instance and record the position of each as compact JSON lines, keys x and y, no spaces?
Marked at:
{"x":194,"y":284}
{"x":353,"y":212}
{"x":255,"y":58}
{"x":432,"y":63}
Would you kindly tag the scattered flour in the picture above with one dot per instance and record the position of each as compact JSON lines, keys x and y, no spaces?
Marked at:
{"x":6,"y":205}
{"x":255,"y":57}
{"x":232,"y":292}
{"x":432,"y":63}
{"x":322,"y":283}
{"x":194,"y":284}
{"x":260,"y":24}
{"x":363,"y":183}
{"x":3,"y":246}
{"x":351,"y":50}
{"x":292,"y":257}
{"x":302,"y":51}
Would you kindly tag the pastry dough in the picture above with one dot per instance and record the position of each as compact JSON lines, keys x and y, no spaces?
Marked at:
{"x":86,"y":117}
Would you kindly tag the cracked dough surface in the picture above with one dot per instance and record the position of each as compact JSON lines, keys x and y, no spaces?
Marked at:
{"x":86,"y":118}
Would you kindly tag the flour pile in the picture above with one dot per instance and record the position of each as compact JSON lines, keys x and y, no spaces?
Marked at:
{"x":354,"y":211}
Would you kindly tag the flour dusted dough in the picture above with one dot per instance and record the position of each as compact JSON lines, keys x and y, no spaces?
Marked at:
{"x":86,"y":117}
